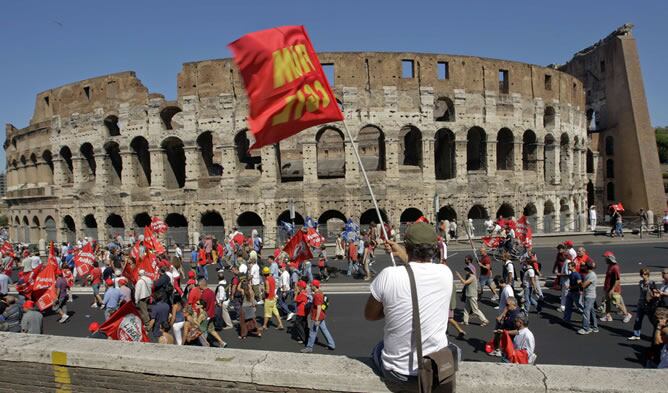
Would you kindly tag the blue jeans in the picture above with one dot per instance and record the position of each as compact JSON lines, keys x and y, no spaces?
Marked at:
{"x":202,"y":272}
{"x":589,"y":320}
{"x":641,"y":313}
{"x":618,"y":229}
{"x":391,"y":378}
{"x":571,"y":299}
{"x":528,"y":299}
{"x":307,"y":271}
{"x":313,"y":335}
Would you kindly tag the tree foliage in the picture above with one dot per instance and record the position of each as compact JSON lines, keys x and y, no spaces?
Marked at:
{"x":662,"y":143}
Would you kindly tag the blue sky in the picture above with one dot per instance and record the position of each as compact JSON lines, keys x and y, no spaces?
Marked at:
{"x":45,"y":44}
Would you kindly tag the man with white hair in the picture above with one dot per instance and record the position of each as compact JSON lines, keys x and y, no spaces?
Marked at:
{"x":142,"y":295}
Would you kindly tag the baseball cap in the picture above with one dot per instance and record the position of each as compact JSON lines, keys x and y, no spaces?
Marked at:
{"x":28,"y":305}
{"x":568,"y":243}
{"x":243,"y":269}
{"x":93,"y":327}
{"x":316,"y":283}
{"x":265,"y":270}
{"x":608,"y":254}
{"x":191,"y":274}
{"x":420,"y":233}
{"x":109,"y":282}
{"x":301,"y":284}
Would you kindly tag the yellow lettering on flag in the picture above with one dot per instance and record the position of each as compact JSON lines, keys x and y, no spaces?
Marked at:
{"x":284,"y":115}
{"x":304,"y":58}
{"x":312,"y":99}
{"x":323,"y":92}
{"x":286,"y":67}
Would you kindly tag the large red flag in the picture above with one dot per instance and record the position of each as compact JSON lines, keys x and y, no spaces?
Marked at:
{"x":287,"y":89}
{"x":158,"y":225}
{"x":313,"y":238}
{"x":297,"y":248}
{"x":84,"y":260}
{"x":125,"y":325}
{"x":151,"y":242}
{"x":524,"y":232}
{"x":149,"y":266}
{"x":47,"y":299}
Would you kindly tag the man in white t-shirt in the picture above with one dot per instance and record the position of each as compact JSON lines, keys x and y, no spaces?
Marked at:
{"x":255,"y":280}
{"x":505,"y":292}
{"x":394,"y":357}
{"x":524,"y":339}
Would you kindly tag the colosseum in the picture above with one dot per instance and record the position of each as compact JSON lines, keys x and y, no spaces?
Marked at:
{"x":445,"y":136}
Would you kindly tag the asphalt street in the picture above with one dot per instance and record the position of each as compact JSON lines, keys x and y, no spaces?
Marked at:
{"x":556,"y":341}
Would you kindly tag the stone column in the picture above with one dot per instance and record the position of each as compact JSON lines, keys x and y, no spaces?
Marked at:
{"x":102,"y":171}
{"x":128,"y":180}
{"x":393,"y":158}
{"x":540,"y":163}
{"x":310,"y":162}
{"x":228,"y":159}
{"x":58,"y":175}
{"x":491,"y":158}
{"x":352,"y":167}
{"x":77,"y":175}
{"x":157,"y":167}
{"x":577,"y":176}
{"x":270,"y":173}
{"x":557,"y":165}
{"x":428,"y":170}
{"x":518,"y":165}
{"x":460,"y":159}
{"x":43,"y":173}
{"x":192,"y":154}
{"x":540,"y":206}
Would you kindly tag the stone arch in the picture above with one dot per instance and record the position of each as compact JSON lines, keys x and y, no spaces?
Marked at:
{"x":177,"y":228}
{"x":90,"y":226}
{"x":610,"y":191}
{"x":505,"y":145}
{"x":111,"y":123}
{"x":529,"y":151}
{"x":167,"y":114}
{"x":205,"y":144}
{"x":247,"y":221}
{"x":213,"y":224}
{"x":610,"y":168}
{"x":447,"y":213}
{"x":478,"y":212}
{"x":609,"y":146}
{"x":141,"y":161}
{"x":328,"y":215}
{"x":285,"y":216}
{"x":549,"y":117}
{"x":371,"y":146}
{"x":530,"y":210}
{"x":506,"y":210}
{"x":445,"y":154}
{"x":411,"y":140}
{"x":410,"y":215}
{"x":370,"y":216}
{"x":35,"y":230}
{"x":476,"y":149}
{"x":590,"y":161}
{"x":50,"y":229}
{"x":548,"y":208}
{"x":69,"y":229}
{"x":115,"y":226}
{"x":88,"y":154}
{"x":330,"y":153}
{"x":550,"y":159}
{"x":113,"y":153}
{"x":246,"y":159}
{"x":142,"y":220}
{"x":444,"y":109}
{"x":48,"y":159}
{"x":68,"y":168}
{"x":331,"y":223}
{"x":26,"y":230}
{"x":175,"y":162}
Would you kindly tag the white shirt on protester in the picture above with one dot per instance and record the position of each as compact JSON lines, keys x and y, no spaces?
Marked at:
{"x":255,"y":274}
{"x":527,"y":278}
{"x":285,"y":281}
{"x":392,"y":288}
{"x":510,"y":268}
{"x":503,"y":298}
{"x":525,"y":340}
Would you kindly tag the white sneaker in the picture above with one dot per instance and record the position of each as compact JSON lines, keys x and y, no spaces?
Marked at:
{"x":496,"y":352}
{"x":94,"y":305}
{"x":260,"y":302}
{"x":64,"y":318}
{"x":496,"y":308}
{"x":583,"y":332}
{"x":562,"y":308}
{"x":494,"y":298}
{"x":627,"y":318}
{"x":290,"y":316}
{"x":634,"y":338}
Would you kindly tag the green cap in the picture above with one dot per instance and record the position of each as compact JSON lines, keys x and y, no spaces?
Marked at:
{"x":420,"y":233}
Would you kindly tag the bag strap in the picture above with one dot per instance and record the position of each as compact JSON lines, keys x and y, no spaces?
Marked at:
{"x":416,"y":323}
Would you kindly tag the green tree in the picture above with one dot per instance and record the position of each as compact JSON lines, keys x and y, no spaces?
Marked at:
{"x":662,"y":143}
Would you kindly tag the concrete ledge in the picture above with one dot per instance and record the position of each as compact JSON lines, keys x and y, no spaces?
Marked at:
{"x":248,"y":370}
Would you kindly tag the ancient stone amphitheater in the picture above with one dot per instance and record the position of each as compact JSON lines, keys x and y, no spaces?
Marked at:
{"x":472,"y":137}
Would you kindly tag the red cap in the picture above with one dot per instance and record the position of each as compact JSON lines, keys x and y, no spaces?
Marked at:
{"x":109,"y":282}
{"x":301,"y":284}
{"x":191,"y":281}
{"x":608,"y":254}
{"x":191,"y":274}
{"x":568,"y":243}
{"x":283,"y":265}
{"x":28,"y":305}
{"x":122,"y":280}
{"x":316,"y":283}
{"x":93,"y":327}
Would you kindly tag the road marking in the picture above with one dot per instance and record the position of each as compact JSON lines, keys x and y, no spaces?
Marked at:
{"x":61,"y":374}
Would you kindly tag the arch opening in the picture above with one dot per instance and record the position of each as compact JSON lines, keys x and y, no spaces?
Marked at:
{"x":247,"y":159}
{"x":330,"y":152}
{"x":175,"y":168}
{"x":444,"y":151}
{"x":141,"y":161}
{"x":476,"y":149}
{"x":504,"y":150}
{"x":529,"y":151}
{"x":412,"y":146}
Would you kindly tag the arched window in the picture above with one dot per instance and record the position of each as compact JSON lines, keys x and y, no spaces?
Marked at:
{"x":88,"y":154}
{"x":590,"y":161}
{"x":175,"y":165}
{"x":505,"y":211}
{"x":550,"y":159}
{"x":50,"y":229}
{"x":167,"y":114}
{"x":246,"y":159}
{"x":371,"y":145}
{"x":115,"y":226}
{"x":549,"y":116}
{"x":444,"y":152}
{"x":410,"y":215}
{"x":48,"y":159}
{"x":205,"y":144}
{"x":113,"y":153}
{"x":371,"y":216}
{"x":248,"y":221}
{"x":142,"y":161}
{"x":529,"y":151}
{"x":70,"y":229}
{"x":444,"y":109}
{"x":476,"y":149}
{"x":90,"y":226}
{"x":213,"y":224}
{"x":142,"y":220}
{"x":504,"y":150}
{"x":177,"y":231}
{"x":111,"y":123}
{"x":478,"y":212}
{"x":330,"y":153}
{"x":609,"y":146}
{"x":285,"y":216}
{"x":610,"y":169}
{"x":330,"y":224}
{"x":447,"y":213}
{"x":412,"y":146}
{"x":530,"y":210}
{"x":610,"y":191}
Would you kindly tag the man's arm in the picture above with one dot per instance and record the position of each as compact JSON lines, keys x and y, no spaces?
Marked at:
{"x":373,"y":311}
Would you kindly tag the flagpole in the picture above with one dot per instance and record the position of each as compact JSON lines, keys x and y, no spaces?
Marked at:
{"x":368,"y":184}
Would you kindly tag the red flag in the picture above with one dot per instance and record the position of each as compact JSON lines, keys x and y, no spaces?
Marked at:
{"x":130,"y":272}
{"x":518,"y":356}
{"x":149,"y":266}
{"x":287,"y":89}
{"x":7,"y":249}
{"x":84,"y":260}
{"x":422,"y":219}
{"x":45,"y":278}
{"x":524,"y":232}
{"x":125,"y":325}
{"x":313,"y":238}
{"x":239,"y":238}
{"x":151,"y":242}
{"x":47,"y":299}
{"x":297,"y":248}
{"x":134,"y":253}
{"x":157,"y":225}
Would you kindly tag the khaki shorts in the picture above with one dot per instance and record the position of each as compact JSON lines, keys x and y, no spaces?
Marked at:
{"x":270,"y":308}
{"x":616,"y":298}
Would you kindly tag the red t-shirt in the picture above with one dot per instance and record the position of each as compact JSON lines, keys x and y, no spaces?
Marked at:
{"x":201,"y":257}
{"x":301,"y":301}
{"x":194,"y":295}
{"x":318,"y":300}
{"x":96,"y":275}
{"x":210,"y":298}
{"x":352,"y":251}
{"x":613,"y":271}
{"x":486,"y":261}
{"x":271,"y":287}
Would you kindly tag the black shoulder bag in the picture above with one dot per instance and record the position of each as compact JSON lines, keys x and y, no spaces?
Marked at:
{"x":436,"y":371}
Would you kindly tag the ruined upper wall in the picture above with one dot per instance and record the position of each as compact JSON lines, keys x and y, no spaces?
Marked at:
{"x":372,"y":71}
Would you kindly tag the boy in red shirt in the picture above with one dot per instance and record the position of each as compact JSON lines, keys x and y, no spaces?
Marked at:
{"x":270,"y":308}
{"x":318,"y":319}
{"x":613,"y":289}
{"x":95,"y":280}
{"x":300,"y":327}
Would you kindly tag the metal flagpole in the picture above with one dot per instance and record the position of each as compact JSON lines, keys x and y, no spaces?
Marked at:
{"x":366,"y":179}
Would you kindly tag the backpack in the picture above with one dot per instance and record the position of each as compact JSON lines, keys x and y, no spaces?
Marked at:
{"x":505,"y":271}
{"x":325,"y":303}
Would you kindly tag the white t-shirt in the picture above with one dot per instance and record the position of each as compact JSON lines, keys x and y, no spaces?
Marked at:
{"x":525,"y":340}
{"x":285,"y":281}
{"x":392,"y":288}
{"x":443,"y":250}
{"x":572,"y":253}
{"x":503,"y":298}
{"x":510,"y":269}
{"x":255,"y":274}
{"x":528,"y":275}
{"x":178,"y":252}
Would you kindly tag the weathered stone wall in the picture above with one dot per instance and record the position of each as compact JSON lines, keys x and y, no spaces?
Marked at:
{"x":120,"y":154}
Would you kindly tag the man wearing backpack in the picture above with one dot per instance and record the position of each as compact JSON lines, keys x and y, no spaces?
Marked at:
{"x":318,"y":315}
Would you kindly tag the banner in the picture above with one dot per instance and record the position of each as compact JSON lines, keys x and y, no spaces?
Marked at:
{"x":46,"y":278}
{"x":84,"y":260}
{"x":158,"y":226}
{"x":524,"y":232}
{"x":149,"y":266}
{"x":7,"y":249}
{"x":286,"y":86}
{"x":313,"y":238}
{"x":152,"y":243}
{"x":125,"y":325}
{"x":297,"y":248}
{"x":47,"y":299}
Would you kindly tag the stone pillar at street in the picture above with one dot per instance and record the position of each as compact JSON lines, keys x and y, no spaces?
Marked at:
{"x":128,"y":180}
{"x":310,"y":164}
{"x":490,"y":159}
{"x":192,"y":154}
{"x":157,"y":167}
